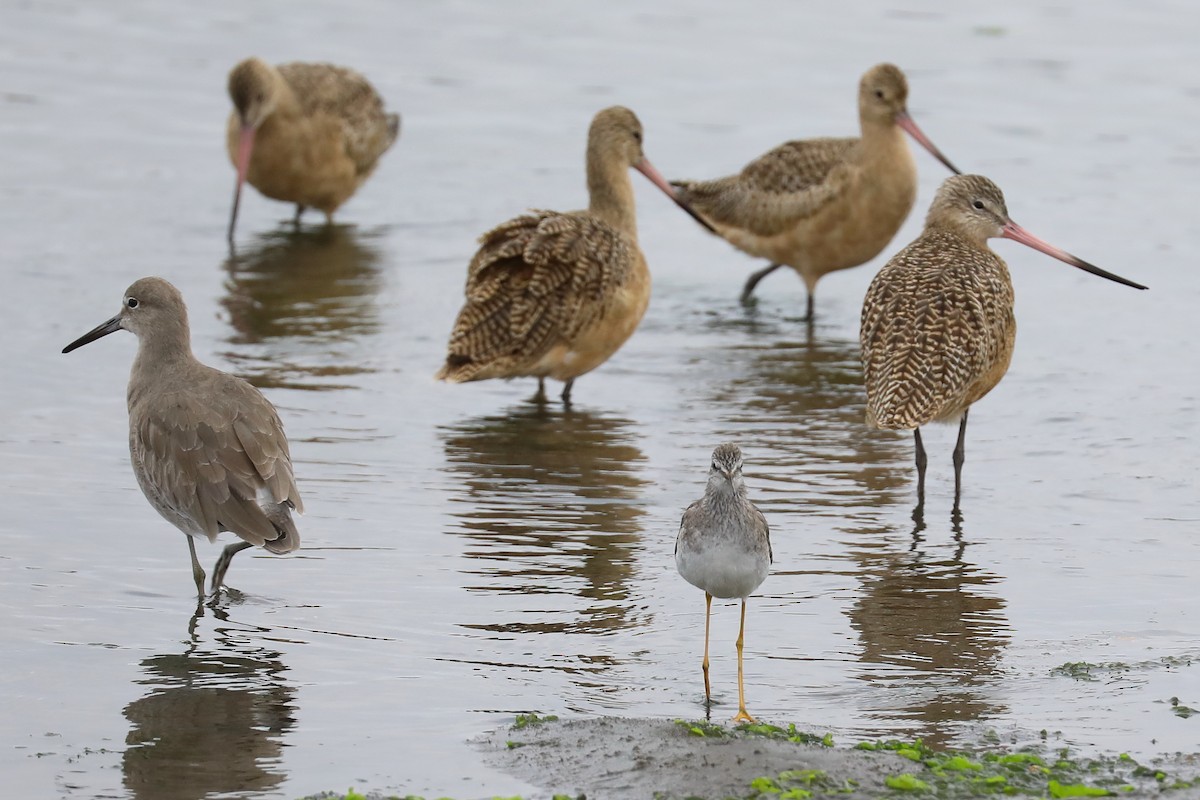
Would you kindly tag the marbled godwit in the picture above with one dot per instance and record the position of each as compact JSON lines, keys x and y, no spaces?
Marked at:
{"x":207,"y":448}
{"x":724,"y":548}
{"x":821,"y":205}
{"x":937,"y":322}
{"x":554,"y":295}
{"x":308,"y":134}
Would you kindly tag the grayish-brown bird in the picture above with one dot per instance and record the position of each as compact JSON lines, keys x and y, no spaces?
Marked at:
{"x":208,"y":450}
{"x":937,"y":322}
{"x":724,"y":548}
{"x":308,"y":134}
{"x":820,"y":205}
{"x":555,"y":295}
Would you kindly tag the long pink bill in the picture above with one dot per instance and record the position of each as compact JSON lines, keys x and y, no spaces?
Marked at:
{"x":646,"y":168}
{"x":245,"y":147}
{"x":910,"y":127}
{"x":1015,"y":232}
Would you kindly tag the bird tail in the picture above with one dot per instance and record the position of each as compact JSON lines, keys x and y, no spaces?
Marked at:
{"x":288,"y":539}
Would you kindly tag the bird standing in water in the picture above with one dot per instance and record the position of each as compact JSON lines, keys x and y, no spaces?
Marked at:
{"x":937,"y":323}
{"x":308,"y":134}
{"x":724,"y":548}
{"x":208,"y":450}
{"x":820,"y":205}
{"x":555,"y":295}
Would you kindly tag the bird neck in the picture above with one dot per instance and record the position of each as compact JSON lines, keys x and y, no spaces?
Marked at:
{"x":722,"y":493}
{"x":611,"y":193}
{"x":160,"y":355}
{"x":885,"y":141}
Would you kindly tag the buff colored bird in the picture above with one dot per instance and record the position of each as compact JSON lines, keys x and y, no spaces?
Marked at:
{"x":820,"y":205}
{"x":937,"y":322}
{"x":208,"y":450}
{"x":552,"y":294}
{"x":308,"y":134}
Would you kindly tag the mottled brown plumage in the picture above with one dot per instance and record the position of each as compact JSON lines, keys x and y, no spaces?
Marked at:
{"x":937,"y":323}
{"x":554,"y":295}
{"x":208,"y":450}
{"x":308,"y":134}
{"x":820,"y":205}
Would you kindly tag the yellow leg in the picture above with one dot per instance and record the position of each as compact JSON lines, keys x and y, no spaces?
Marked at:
{"x":704,"y":663}
{"x":742,"y":715}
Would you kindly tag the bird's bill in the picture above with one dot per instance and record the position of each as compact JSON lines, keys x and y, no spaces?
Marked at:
{"x":99,"y":332}
{"x":910,"y":127}
{"x":1012,"y":230}
{"x":245,"y":147}
{"x":646,"y":168}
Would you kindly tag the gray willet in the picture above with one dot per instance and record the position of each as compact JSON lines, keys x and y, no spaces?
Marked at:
{"x":724,"y":548}
{"x":937,"y":322}
{"x":820,"y":205}
{"x":207,"y":448}
{"x":308,"y":134}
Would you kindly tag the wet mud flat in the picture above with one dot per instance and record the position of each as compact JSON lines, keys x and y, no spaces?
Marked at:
{"x":616,"y":758}
{"x":639,"y":758}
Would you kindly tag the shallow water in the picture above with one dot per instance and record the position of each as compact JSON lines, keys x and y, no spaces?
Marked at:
{"x":468,"y":555}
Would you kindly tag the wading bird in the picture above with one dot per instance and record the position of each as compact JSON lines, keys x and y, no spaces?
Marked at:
{"x":937,"y":322}
{"x":308,"y":134}
{"x":208,"y":450}
{"x":724,"y":548}
{"x":820,"y":205}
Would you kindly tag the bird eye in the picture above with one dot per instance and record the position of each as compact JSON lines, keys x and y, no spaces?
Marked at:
{"x":879,"y":93}
{"x":638,"y":136}
{"x":978,"y":204}
{"x":132,"y":302}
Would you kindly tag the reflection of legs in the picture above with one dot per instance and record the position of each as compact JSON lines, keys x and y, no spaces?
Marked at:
{"x":752,"y":281}
{"x":960,"y":455}
{"x":704,"y":663}
{"x":742,"y":715}
{"x":223,"y":563}
{"x":197,"y":570}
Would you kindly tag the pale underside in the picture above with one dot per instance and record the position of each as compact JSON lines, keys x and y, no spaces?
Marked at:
{"x":723,"y":548}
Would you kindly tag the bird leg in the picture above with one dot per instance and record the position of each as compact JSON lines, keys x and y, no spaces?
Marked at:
{"x":704,"y":663}
{"x":299,"y":212}
{"x":960,"y":454}
{"x":197,"y":570}
{"x":222,"y":565}
{"x":808,"y":307}
{"x":752,"y":281}
{"x":566,"y":392}
{"x":922,"y":460}
{"x":742,"y":715}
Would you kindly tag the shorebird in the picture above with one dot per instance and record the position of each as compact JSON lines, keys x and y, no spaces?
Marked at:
{"x":208,"y":450}
{"x":820,"y":205}
{"x":308,"y":134}
{"x":554,"y":295}
{"x":937,"y":322}
{"x":724,"y":548}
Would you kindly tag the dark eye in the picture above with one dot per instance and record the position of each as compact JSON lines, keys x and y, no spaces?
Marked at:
{"x":879,"y":93}
{"x":978,"y":204}
{"x":132,"y":302}
{"x":638,"y":136}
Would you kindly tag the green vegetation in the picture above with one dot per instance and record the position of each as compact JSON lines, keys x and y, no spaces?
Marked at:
{"x":525,"y":720}
{"x":1087,"y":671}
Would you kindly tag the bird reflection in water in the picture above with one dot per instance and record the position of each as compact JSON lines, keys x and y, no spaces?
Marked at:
{"x":212,"y":720}
{"x":550,"y":506}
{"x":799,"y":405}
{"x":301,"y":302}
{"x":932,"y":634}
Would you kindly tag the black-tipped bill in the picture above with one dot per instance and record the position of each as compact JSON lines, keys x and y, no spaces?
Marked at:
{"x":646,"y":168}
{"x":1015,"y":232}
{"x":100,"y":331}
{"x":910,"y":127}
